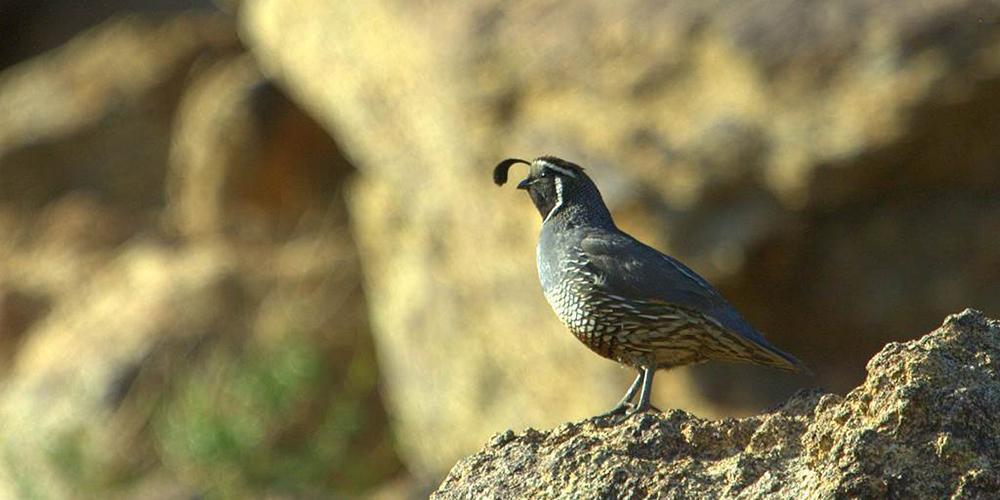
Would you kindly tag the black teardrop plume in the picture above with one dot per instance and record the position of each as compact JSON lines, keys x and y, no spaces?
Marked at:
{"x":500,"y":172}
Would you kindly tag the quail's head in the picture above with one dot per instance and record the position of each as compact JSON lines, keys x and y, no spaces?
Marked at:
{"x":552,"y":184}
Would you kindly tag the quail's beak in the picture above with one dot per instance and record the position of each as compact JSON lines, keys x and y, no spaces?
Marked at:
{"x":525,"y":183}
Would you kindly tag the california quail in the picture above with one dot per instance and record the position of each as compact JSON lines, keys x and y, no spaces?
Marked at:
{"x":623,"y":299}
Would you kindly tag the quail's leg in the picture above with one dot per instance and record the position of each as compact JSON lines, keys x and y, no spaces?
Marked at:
{"x":647,"y":385}
{"x":629,"y":394}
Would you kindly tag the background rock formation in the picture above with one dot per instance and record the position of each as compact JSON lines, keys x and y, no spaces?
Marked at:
{"x":215,"y":215}
{"x":800,"y":155}
{"x":181,"y":309}
{"x":922,"y":425}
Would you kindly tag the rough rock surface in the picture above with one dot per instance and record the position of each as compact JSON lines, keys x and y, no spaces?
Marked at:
{"x":923,"y":425}
{"x":830,"y":165}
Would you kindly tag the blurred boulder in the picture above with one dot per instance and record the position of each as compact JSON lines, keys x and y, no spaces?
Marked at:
{"x":921,"y":426}
{"x":85,"y":145}
{"x":830,"y":166}
{"x":197,"y":364}
{"x":244,"y":160}
{"x":31,"y":27}
{"x":19,"y":309}
{"x":180,"y":298}
{"x":63,"y":381}
{"x":95,"y":115}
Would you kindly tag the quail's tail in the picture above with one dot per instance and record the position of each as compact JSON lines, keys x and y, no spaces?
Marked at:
{"x":774,"y":357}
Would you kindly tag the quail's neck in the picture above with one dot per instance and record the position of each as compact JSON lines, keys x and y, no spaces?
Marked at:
{"x":561,"y":235}
{"x":573,"y":215}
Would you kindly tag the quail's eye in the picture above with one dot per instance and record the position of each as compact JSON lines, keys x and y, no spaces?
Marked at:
{"x":545,"y":173}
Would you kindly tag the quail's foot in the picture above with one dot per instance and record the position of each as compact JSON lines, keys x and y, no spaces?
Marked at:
{"x":621,"y":409}
{"x":633,"y":411}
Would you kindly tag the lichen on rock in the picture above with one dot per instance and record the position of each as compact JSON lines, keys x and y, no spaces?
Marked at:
{"x":923,"y":425}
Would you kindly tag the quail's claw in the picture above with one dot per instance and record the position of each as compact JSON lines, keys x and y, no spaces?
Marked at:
{"x":633,"y":411}
{"x":637,"y":409}
{"x":620,"y":409}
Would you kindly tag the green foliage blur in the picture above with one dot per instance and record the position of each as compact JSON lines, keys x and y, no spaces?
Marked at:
{"x":286,"y":418}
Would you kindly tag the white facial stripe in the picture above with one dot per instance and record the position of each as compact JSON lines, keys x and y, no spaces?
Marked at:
{"x":557,"y":168}
{"x":559,"y":200}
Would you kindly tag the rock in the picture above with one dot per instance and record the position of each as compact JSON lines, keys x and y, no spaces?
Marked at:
{"x":178,"y":278}
{"x":129,"y":375}
{"x":63,"y":378}
{"x":922,"y":425}
{"x":19,"y":309}
{"x":31,"y":28}
{"x":809,"y":159}
{"x":85,"y":144}
{"x":244,"y":160}
{"x":96,"y":113}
